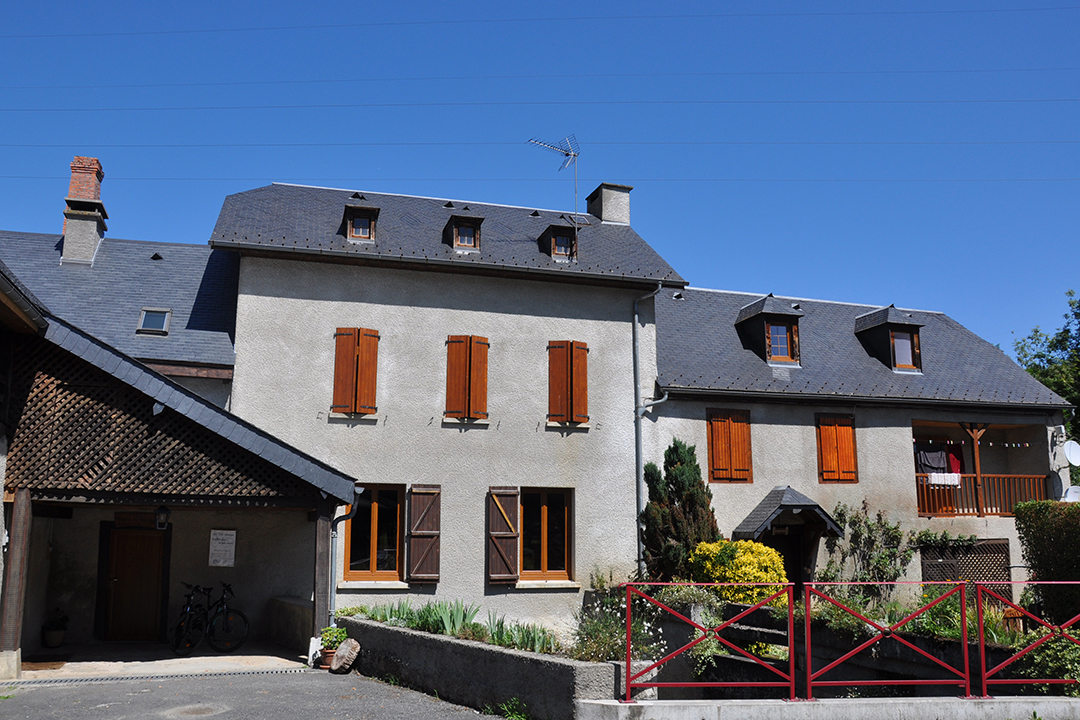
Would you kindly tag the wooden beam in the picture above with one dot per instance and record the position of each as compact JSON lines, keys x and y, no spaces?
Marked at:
{"x":323,"y":571}
{"x":198,"y":371}
{"x":11,"y":612}
{"x":976,"y":430}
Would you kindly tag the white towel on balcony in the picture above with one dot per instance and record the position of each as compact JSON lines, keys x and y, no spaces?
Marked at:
{"x":949,"y":479}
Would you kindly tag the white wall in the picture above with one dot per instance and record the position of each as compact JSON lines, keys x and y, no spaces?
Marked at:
{"x":286,"y":317}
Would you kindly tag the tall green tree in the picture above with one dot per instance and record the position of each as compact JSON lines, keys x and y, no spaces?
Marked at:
{"x":678,"y":515}
{"x":1054,"y":360}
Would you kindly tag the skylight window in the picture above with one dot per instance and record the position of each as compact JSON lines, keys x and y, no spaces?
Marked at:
{"x":154,"y":321}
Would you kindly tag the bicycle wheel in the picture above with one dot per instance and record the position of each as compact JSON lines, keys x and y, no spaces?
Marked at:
{"x":187,"y":634}
{"x":227,"y":630}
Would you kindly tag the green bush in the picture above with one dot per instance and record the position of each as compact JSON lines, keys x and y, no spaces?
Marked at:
{"x":678,"y":515}
{"x":332,"y":637}
{"x":1058,"y":658}
{"x":873,"y":550}
{"x":600,"y":634}
{"x":1050,"y":537}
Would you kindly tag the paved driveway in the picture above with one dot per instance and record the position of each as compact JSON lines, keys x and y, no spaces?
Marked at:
{"x":276,"y":696}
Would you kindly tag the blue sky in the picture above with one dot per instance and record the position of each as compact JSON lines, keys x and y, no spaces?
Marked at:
{"x":923,"y":154}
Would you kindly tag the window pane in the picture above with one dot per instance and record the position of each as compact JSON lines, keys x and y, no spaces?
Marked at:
{"x":531,"y":531}
{"x":362,"y":227}
{"x":360,"y":535}
{"x":386,"y":541}
{"x":466,"y":235}
{"x":154,"y":320}
{"x":902,"y":348}
{"x":778,"y":334}
{"x":556,"y":531}
{"x":562,"y":244}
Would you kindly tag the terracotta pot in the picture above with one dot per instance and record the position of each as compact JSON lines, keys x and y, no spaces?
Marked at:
{"x":325,"y":656}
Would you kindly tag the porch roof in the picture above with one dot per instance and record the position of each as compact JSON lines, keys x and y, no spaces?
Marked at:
{"x":782,"y":499}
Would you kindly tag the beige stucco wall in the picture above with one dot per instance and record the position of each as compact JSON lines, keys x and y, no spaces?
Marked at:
{"x":287,"y":313}
{"x":784,"y":452}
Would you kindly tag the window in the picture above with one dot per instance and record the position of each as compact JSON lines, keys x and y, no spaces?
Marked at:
{"x":568,"y":381}
{"x":356,"y":359}
{"x":373,"y":536}
{"x":562,"y":244}
{"x":545,"y":539}
{"x":361,"y":223}
{"x":783,"y":340}
{"x":729,"y":446}
{"x":905,"y":349}
{"x":836,"y":449}
{"x":467,"y":235}
{"x":466,"y":377}
{"x":532,"y":524}
{"x":154,"y":321}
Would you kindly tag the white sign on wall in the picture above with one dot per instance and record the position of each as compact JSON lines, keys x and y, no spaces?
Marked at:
{"x":222,"y":548}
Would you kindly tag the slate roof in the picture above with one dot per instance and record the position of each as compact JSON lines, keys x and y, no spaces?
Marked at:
{"x":309,"y":220}
{"x":197,"y":283}
{"x":19,"y":294}
{"x":700,"y":351}
{"x":779,"y":500}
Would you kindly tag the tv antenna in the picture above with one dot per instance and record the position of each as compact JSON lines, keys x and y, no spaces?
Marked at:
{"x":568,"y":148}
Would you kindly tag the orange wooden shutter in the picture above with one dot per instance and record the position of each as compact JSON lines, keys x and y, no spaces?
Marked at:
{"x":845,"y":449}
{"x":827,"y":461}
{"x":729,"y":446}
{"x":916,"y":355}
{"x":478,"y":372}
{"x":579,"y":374}
{"x":457,"y":376}
{"x":719,"y":446}
{"x":558,"y":381}
{"x":367,"y":354}
{"x":502,"y":555}
{"x":793,"y":342}
{"x":741,"y":461}
{"x":344,"y":400}
{"x":424,"y":532}
{"x":836,"y":449}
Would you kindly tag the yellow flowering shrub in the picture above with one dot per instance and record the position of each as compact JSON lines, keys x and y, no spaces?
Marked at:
{"x":742,"y":561}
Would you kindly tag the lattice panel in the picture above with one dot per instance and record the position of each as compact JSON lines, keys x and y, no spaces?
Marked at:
{"x":78,"y":429}
{"x":987,"y":561}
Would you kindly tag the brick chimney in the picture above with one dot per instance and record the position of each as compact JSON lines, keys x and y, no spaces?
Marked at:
{"x":84,"y":216}
{"x":611,"y":203}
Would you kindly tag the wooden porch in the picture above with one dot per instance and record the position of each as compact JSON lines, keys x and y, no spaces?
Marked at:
{"x":979,"y":495}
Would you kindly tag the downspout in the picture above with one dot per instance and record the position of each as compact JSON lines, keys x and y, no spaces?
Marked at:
{"x":357,"y":490}
{"x":639,"y":411}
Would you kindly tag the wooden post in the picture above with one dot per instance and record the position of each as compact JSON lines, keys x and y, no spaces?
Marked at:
{"x":976,"y":430}
{"x":323,"y":572}
{"x":11,"y":615}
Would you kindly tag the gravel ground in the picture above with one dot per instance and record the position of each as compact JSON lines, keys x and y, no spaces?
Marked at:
{"x":285,"y":696}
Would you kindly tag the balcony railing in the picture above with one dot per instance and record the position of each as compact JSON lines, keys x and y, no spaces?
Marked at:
{"x":994,"y":495}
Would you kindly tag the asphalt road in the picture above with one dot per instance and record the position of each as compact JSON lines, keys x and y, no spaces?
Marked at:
{"x":262,"y":697}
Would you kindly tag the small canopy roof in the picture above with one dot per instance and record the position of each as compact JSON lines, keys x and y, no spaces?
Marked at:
{"x":787,"y":507}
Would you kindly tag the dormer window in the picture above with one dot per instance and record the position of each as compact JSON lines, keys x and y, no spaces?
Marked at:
{"x":783,"y":341}
{"x":466,"y":236}
{"x":892,"y":336}
{"x":905,"y":349}
{"x":463,"y":233}
{"x":360,"y":223}
{"x":562,"y":244}
{"x":769,"y":327}
{"x":154,"y":321}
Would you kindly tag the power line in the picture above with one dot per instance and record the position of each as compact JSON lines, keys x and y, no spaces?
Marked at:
{"x":542,"y":103}
{"x":620,"y":143}
{"x":521,"y":180}
{"x":444,"y":78}
{"x":561,"y":20}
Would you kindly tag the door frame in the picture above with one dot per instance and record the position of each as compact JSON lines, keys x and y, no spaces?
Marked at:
{"x":101,"y":606}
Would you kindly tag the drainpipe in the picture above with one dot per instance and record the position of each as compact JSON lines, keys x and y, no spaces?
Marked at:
{"x":357,"y":490}
{"x":639,"y":411}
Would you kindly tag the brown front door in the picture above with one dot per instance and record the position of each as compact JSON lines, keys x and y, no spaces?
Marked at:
{"x":136,"y":560}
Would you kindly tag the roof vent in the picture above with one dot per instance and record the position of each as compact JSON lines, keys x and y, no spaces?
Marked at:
{"x":676,"y":296}
{"x":448,"y":204}
{"x":357,"y":196}
{"x":155,"y":256}
{"x":534,"y":213}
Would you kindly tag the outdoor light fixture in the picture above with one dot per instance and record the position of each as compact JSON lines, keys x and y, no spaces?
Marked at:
{"x":161,"y":516}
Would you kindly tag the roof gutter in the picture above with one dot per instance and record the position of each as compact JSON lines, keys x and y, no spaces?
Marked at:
{"x":639,"y":412}
{"x":21,"y":305}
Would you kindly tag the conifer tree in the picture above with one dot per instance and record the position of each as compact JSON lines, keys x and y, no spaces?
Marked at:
{"x":678,"y":515}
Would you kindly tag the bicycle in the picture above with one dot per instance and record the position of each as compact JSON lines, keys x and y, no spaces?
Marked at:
{"x":224,"y":628}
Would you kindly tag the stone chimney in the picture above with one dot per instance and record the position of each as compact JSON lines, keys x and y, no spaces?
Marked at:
{"x":84,"y":216}
{"x":611,"y":203}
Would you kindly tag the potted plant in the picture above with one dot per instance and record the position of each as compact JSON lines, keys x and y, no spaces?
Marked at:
{"x":331,"y":637}
{"x":56,"y":624}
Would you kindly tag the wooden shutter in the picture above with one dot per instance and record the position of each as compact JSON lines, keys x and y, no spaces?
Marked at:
{"x":916,"y":354}
{"x":344,"y":400}
{"x":457,"y":376}
{"x":424,"y":533}
{"x":559,"y":381}
{"x":478,"y":372}
{"x":793,"y":342}
{"x":729,"y":446}
{"x":367,"y":354}
{"x":579,"y":374}
{"x":502,"y":542}
{"x":836,"y":449}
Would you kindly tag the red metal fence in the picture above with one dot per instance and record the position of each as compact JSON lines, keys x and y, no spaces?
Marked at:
{"x":817,"y":595}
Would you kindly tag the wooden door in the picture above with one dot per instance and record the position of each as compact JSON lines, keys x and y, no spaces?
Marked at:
{"x":136,"y":561}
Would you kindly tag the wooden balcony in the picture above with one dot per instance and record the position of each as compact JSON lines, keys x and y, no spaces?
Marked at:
{"x":979,"y":495}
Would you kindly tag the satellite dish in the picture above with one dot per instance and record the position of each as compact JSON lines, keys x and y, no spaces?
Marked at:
{"x":1072,"y":494}
{"x":1072,"y":452}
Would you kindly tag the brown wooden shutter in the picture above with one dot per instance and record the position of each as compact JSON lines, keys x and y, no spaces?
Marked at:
{"x":457,"y":376}
{"x":424,"y":533}
{"x":836,"y":449}
{"x":730,"y":458}
{"x":579,"y":374}
{"x":916,"y":354}
{"x":719,"y":446}
{"x":502,"y":523}
{"x":793,"y":342}
{"x":559,"y":381}
{"x":344,"y":400}
{"x":742,"y":466}
{"x":367,"y":354}
{"x":478,"y":374}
